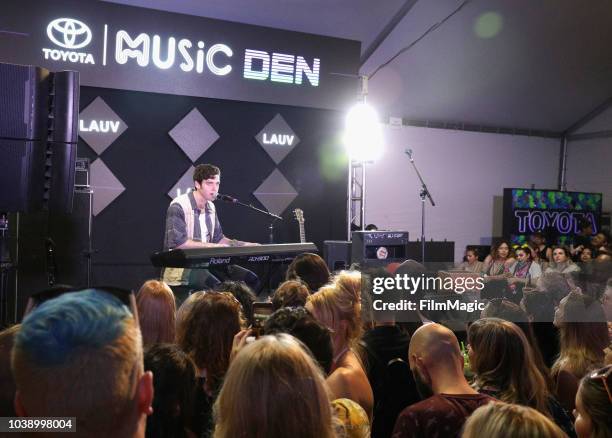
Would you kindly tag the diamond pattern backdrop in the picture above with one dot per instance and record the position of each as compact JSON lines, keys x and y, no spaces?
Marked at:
{"x":106,"y":186}
{"x":102,"y":126}
{"x":194,"y":135}
{"x":277,"y":138}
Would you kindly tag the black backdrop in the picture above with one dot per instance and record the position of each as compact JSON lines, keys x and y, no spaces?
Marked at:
{"x":148,"y":163}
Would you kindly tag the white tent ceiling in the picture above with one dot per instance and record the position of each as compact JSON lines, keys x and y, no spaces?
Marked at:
{"x":496,"y":63}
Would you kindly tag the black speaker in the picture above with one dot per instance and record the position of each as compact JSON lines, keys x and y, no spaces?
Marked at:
{"x":60,"y":185}
{"x":379,"y":247}
{"x":24,"y":96}
{"x":65,"y":107}
{"x":69,"y":235}
{"x":63,"y":136}
{"x":337,"y":254}
{"x":435,"y":252}
{"x":24,"y":103}
{"x":39,"y":133}
{"x":22,"y":174}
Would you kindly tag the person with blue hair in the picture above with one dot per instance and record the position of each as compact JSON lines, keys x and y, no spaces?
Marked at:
{"x":80,"y":355}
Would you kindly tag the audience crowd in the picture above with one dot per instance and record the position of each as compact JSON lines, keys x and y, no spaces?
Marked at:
{"x":536,"y":362}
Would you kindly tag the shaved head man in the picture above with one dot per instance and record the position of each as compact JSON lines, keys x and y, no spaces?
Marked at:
{"x":437,"y":365}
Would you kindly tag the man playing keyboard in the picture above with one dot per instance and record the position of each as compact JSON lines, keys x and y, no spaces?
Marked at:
{"x":192,"y":222}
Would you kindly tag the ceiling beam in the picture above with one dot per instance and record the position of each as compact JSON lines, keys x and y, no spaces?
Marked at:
{"x":590,"y":135}
{"x":395,"y":20}
{"x":471,"y":127}
{"x":587,"y":118}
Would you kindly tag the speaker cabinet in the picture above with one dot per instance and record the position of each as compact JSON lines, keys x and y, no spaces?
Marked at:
{"x":379,"y":247}
{"x":69,"y":237}
{"x":38,"y":137}
{"x":24,"y":100}
{"x":337,"y":254}
{"x":22,"y":174}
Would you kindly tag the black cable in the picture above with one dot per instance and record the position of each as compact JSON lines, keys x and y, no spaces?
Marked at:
{"x":408,"y":47}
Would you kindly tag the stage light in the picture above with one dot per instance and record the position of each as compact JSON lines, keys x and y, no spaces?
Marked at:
{"x":362,"y":135}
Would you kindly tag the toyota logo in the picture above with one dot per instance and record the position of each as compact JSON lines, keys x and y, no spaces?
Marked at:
{"x":69,"y":33}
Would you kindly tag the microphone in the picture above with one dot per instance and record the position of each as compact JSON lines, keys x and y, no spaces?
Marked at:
{"x":408,"y":152}
{"x":226,"y":198}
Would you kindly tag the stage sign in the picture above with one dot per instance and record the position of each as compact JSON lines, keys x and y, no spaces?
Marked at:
{"x":556,"y":214}
{"x":124,"y":47}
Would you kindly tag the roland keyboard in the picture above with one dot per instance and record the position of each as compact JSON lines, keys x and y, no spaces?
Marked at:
{"x":203,"y":257}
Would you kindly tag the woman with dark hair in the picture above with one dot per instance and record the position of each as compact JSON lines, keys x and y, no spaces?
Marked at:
{"x":499,"y":261}
{"x":291,"y":293}
{"x":504,"y":367}
{"x":583,"y":336}
{"x":562,"y":261}
{"x":586,"y":255}
{"x":594,"y":405}
{"x":540,"y":251}
{"x":471,"y":263}
{"x":509,"y":311}
{"x":206,"y":334}
{"x":540,"y":309}
{"x":243,"y":293}
{"x":299,"y":323}
{"x":600,"y":242}
{"x":174,"y":385}
{"x":311,"y":269}
{"x":525,"y":269}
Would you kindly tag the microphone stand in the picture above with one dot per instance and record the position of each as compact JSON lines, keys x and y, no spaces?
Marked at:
{"x":424,"y":193}
{"x":273,"y":217}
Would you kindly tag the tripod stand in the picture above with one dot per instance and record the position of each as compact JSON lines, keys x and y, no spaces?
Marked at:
{"x":6,"y":266}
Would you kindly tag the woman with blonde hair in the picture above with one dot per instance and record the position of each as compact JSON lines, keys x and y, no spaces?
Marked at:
{"x":583,"y":337}
{"x":156,"y":313}
{"x":503,"y":420}
{"x":273,"y":389}
{"x":504,"y":367}
{"x":338,"y":307}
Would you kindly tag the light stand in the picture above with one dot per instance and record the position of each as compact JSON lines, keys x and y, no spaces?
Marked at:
{"x":363,"y":139}
{"x":424,"y":193}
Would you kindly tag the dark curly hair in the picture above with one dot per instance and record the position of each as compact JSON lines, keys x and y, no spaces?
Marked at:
{"x":208,"y":332}
{"x":291,"y":293}
{"x":298,"y":322}
{"x":205,"y":171}
{"x":243,"y":293}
